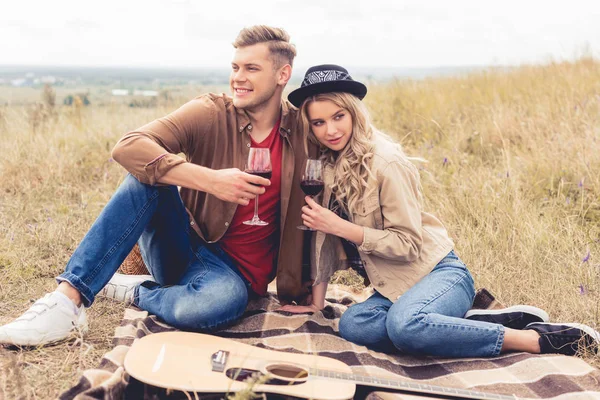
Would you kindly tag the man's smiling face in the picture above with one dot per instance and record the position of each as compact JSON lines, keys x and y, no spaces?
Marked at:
{"x":253,"y":78}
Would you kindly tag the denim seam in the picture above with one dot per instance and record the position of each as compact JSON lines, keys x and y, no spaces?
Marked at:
{"x":450,"y":261}
{"x":201,"y":260}
{"x":197,"y":255}
{"x":201,"y":275}
{"x":437,"y":296}
{"x":499,"y":342}
{"x":425,"y":321}
{"x":378,"y":309}
{"x":499,"y":330}
{"x":225,"y":322}
{"x":127,"y":232}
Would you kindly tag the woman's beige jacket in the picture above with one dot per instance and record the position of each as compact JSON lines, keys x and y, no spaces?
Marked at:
{"x":402,"y":243}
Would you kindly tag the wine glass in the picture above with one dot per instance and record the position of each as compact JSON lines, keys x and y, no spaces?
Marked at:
{"x":259,"y":163}
{"x":312,"y":182}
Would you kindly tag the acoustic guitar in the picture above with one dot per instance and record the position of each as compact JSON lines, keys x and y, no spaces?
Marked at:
{"x":194,"y":362}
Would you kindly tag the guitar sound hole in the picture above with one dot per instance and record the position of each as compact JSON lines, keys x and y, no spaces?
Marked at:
{"x":286,"y":372}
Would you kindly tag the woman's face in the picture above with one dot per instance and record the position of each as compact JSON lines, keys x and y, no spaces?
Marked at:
{"x":332,"y":125}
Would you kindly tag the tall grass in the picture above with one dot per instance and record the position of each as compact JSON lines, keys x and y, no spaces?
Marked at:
{"x":513,"y":171}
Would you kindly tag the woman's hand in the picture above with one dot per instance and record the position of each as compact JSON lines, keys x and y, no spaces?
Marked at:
{"x":318,"y":297}
{"x":320,"y":218}
{"x":299,"y":309}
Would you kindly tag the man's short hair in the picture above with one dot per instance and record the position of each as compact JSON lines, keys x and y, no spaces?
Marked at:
{"x":282,"y":51}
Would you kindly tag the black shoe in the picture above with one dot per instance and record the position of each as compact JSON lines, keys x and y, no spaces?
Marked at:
{"x":566,"y":338}
{"x":515,"y":317}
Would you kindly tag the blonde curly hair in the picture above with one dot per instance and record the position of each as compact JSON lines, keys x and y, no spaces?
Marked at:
{"x":352,"y":165}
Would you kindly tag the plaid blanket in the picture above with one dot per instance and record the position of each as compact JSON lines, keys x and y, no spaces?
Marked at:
{"x":518,"y":374}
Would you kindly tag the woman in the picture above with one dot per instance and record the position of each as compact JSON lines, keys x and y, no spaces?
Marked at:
{"x":372,"y":210}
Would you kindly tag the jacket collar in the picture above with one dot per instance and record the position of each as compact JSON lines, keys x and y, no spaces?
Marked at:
{"x":288,"y":117}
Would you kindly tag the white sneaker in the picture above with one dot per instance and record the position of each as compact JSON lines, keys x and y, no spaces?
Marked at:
{"x":51,"y":319}
{"x":121,"y":287}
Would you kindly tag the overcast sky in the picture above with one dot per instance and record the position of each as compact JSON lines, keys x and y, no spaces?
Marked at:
{"x":389,"y":33}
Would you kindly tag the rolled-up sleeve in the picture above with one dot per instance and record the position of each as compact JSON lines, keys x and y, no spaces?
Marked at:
{"x":400,"y":200}
{"x":152,"y":150}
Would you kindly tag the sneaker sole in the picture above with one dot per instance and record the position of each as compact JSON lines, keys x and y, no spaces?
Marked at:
{"x":594,"y":334}
{"x":50,"y":340}
{"x":538,"y":312}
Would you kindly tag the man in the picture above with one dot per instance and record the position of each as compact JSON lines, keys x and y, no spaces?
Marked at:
{"x":205,"y":263}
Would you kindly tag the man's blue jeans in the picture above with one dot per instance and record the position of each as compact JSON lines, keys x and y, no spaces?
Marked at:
{"x":427,"y":319}
{"x":196,"y":288}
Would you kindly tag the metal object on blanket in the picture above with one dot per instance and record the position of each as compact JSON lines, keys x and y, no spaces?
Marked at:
{"x":219,"y":360}
{"x":195,"y":362}
{"x":134,"y":264}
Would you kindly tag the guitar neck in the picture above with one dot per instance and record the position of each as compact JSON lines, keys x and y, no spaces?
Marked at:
{"x":407,"y":386}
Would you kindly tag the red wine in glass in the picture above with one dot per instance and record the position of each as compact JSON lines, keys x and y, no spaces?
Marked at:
{"x":311,"y":187}
{"x":312,"y":182}
{"x":262,"y":174}
{"x":259,"y":163}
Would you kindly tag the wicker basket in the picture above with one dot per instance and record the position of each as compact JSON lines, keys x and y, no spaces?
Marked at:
{"x":133,"y":264}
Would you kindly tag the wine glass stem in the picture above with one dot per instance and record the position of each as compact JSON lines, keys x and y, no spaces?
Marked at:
{"x":255,"y":208}
{"x":312,"y":197}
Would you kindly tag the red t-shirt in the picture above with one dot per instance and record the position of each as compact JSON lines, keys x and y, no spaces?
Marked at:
{"x":254,"y":248}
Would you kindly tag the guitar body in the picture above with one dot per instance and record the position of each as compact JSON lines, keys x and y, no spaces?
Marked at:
{"x":194,"y":362}
{"x":185,"y":361}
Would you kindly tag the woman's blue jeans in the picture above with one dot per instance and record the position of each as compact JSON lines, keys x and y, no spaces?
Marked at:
{"x":427,"y":319}
{"x":197,"y":287}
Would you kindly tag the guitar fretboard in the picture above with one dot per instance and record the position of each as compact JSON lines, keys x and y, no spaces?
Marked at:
{"x":409,"y":386}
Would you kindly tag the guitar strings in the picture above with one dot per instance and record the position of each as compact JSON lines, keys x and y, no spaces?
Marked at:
{"x":403,"y":380}
{"x":337,"y":371}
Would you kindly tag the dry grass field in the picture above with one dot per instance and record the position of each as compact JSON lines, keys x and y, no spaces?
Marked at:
{"x":513,"y":169}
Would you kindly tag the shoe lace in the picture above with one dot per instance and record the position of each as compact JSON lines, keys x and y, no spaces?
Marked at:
{"x":565,"y":338}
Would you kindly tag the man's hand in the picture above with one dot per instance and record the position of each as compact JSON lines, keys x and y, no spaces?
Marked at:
{"x":320,"y":218}
{"x":299,"y":309}
{"x":230,"y":184}
{"x":236,"y":186}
